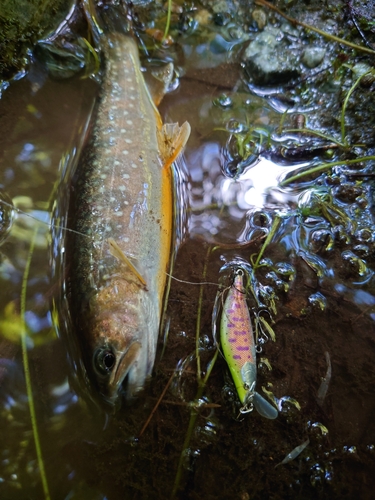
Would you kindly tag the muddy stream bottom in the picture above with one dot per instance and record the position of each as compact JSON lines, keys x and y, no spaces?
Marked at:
{"x":230,"y":458}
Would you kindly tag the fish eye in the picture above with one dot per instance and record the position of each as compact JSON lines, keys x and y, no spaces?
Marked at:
{"x":104,"y":361}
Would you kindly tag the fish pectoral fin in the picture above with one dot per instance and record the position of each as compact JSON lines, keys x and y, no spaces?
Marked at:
{"x":119,"y":255}
{"x":171,"y":141}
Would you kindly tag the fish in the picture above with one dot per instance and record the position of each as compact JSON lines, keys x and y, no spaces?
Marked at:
{"x":122,"y":219}
{"x":239,"y":350}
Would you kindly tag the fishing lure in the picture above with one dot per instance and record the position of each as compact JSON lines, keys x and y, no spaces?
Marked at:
{"x":238,"y":346}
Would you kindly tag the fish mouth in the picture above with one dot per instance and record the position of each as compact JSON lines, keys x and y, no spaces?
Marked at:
{"x":122,"y":375}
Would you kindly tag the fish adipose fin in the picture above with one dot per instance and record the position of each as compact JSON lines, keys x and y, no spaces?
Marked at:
{"x":171,"y":140}
{"x":119,"y":254}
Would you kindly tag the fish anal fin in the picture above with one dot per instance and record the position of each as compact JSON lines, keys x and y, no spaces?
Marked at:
{"x":171,"y":141}
{"x":119,"y":255}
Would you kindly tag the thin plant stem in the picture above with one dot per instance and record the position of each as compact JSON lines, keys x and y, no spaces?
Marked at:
{"x":156,"y":405}
{"x":324,"y":166}
{"x":270,"y":235}
{"x":343,"y":110}
{"x":27,"y":371}
{"x":201,"y":383}
{"x":283,"y":117}
{"x":94,"y":55}
{"x":193,"y":418}
{"x":167,"y":26}
{"x":199,"y":316}
{"x":317,"y":133}
{"x":317,"y":30}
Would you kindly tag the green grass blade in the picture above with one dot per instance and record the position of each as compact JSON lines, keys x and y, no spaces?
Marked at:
{"x":323,"y":167}
{"x":343,"y":110}
{"x":168,"y":23}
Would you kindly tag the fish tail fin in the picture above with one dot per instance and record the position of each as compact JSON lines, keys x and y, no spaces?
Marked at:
{"x":171,"y":141}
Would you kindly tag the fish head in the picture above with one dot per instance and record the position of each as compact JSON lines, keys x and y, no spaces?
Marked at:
{"x":118,"y":358}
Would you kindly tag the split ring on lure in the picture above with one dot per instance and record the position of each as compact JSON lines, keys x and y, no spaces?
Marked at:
{"x":237,"y":342}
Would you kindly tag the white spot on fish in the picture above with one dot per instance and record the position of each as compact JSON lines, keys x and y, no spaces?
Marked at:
{"x":125,"y":176}
{"x":125,"y":152}
{"x":123,"y":130}
{"x":122,"y":188}
{"x":103,"y":176}
{"x":119,"y":214}
{"x":134,"y":165}
{"x":126,"y":113}
{"x":133,"y":99}
{"x":112,"y":199}
{"x":117,"y":163}
{"x":129,"y":122}
{"x":129,"y":141}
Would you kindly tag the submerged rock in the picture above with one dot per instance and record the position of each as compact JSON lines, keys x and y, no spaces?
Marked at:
{"x":313,"y":56}
{"x":269,"y":60}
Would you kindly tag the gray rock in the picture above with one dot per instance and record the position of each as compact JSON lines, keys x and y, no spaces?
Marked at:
{"x":313,"y":56}
{"x":269,"y":60}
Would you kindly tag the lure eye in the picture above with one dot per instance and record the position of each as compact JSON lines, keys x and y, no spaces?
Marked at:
{"x":104,"y":361}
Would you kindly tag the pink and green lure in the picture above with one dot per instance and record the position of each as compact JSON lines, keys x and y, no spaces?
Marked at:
{"x":238,"y":346}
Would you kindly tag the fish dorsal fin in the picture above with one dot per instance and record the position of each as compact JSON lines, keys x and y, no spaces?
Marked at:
{"x":159,"y":81}
{"x":119,"y":254}
{"x":171,"y":141}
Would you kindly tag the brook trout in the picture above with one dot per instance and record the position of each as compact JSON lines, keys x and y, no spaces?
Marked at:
{"x":123,"y":210}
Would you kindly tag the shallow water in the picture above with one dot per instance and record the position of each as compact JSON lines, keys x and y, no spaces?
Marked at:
{"x":326,"y":305}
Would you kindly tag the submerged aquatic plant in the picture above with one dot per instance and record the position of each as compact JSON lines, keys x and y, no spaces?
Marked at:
{"x":202,"y":382}
{"x":344,"y":143}
{"x":25,"y":358}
